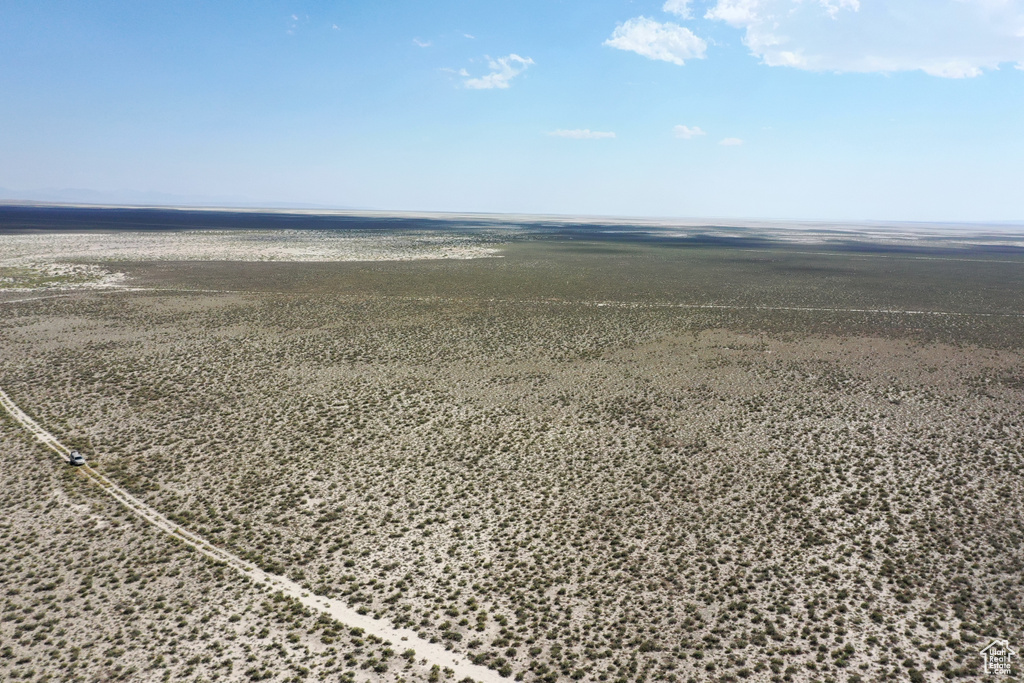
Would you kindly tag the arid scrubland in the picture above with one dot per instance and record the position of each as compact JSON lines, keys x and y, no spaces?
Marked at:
{"x":593,"y":461}
{"x":90,"y":592}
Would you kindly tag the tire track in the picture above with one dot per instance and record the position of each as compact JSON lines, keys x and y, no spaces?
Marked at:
{"x":336,"y":609}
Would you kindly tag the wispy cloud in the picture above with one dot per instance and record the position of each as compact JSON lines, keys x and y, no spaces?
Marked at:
{"x":731,"y":142}
{"x":297,"y":22}
{"x":680,"y":8}
{"x":667,"y":42}
{"x":582,"y":134}
{"x":422,"y":43}
{"x":687,"y":132}
{"x":945,"y":38}
{"x":503,"y":70}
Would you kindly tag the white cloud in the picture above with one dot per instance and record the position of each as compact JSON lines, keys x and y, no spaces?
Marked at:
{"x":737,"y":13}
{"x":946,"y":38}
{"x":503,"y":70}
{"x":667,"y":42}
{"x":421,"y":43}
{"x":582,"y":134}
{"x":678,"y":7}
{"x":731,"y":142}
{"x":686,"y":132}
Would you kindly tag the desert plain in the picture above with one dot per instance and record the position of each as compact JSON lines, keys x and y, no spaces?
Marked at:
{"x":563,"y":450}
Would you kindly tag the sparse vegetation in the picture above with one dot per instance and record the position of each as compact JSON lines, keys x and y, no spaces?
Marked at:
{"x":583,"y":461}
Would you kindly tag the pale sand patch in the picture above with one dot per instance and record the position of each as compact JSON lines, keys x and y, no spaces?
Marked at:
{"x":74,"y":260}
{"x":235,"y":245}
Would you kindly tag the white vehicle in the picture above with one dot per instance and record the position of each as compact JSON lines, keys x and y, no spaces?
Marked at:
{"x":76,"y":458}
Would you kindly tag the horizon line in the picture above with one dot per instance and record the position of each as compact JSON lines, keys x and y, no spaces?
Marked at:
{"x":668,"y":221}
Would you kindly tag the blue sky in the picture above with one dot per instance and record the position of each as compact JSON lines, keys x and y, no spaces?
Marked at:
{"x":807,"y":109}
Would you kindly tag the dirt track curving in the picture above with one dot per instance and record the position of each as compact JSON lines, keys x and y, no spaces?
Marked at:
{"x":433,"y":652}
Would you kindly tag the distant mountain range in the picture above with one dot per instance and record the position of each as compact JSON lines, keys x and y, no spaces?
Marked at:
{"x":136,"y":198}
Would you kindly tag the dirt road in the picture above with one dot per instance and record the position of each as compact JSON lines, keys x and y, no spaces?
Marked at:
{"x":402,"y":639}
